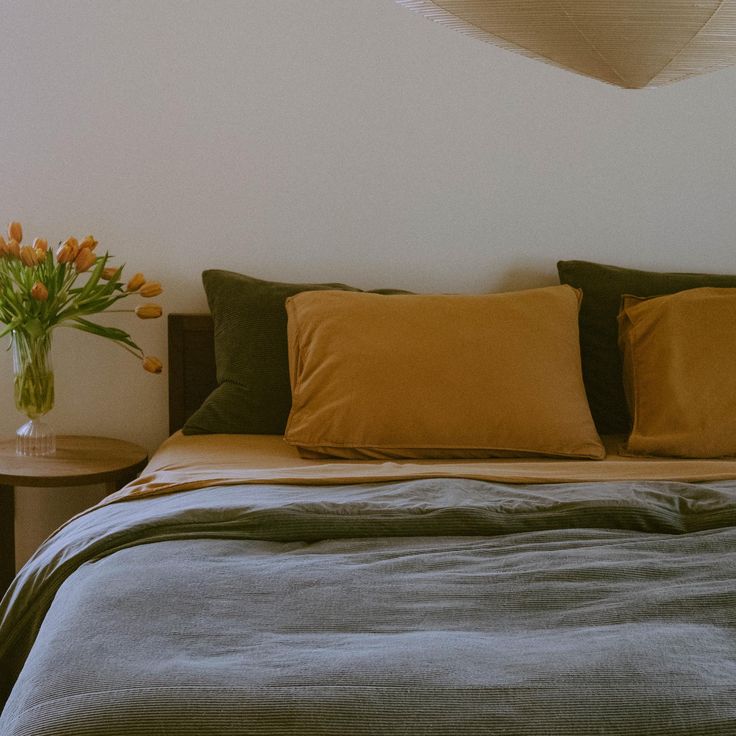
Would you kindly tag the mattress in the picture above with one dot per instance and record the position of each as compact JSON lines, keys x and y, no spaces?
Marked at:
{"x":237,"y":589}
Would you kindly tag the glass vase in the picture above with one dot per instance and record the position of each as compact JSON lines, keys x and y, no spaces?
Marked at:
{"x":33,"y":382}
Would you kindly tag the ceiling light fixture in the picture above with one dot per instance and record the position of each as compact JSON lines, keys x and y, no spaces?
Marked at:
{"x":629,"y":43}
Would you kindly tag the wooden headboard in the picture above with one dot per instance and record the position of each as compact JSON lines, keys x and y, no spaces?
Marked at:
{"x":191,"y":365}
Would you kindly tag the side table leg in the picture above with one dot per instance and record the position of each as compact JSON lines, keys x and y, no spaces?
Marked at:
{"x":7,"y":537}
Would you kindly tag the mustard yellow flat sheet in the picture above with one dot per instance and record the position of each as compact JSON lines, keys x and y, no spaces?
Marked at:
{"x":189,"y":462}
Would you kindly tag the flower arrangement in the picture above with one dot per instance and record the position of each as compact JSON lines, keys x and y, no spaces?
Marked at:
{"x":41,"y":290}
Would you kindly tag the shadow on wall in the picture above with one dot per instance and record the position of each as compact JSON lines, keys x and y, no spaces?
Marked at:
{"x":521,"y":277}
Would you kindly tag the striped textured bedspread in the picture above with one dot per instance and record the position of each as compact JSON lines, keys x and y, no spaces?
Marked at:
{"x":435,"y":606}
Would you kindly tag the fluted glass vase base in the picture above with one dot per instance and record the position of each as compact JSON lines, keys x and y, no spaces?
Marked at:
{"x":35,"y":438}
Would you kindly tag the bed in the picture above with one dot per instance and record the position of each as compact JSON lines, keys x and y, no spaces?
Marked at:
{"x":239,"y":588}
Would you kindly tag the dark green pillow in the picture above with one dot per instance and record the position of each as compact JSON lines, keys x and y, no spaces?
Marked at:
{"x":253,"y":395}
{"x":602,"y":288}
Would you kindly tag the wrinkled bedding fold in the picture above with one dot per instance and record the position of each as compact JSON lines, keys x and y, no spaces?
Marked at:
{"x":456,"y":603}
{"x":191,"y":462}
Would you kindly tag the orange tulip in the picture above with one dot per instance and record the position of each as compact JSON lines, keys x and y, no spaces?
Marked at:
{"x":85,"y":260}
{"x":15,"y":232}
{"x":3,"y":247}
{"x":65,"y":253}
{"x":136,"y":282}
{"x":88,"y":242}
{"x":41,"y":244}
{"x":13,"y":249}
{"x":149,"y":311}
{"x":39,"y":292}
{"x":109,"y":273}
{"x":152,"y":365}
{"x":28,"y":256}
{"x":73,"y":243}
{"x":150,"y":288}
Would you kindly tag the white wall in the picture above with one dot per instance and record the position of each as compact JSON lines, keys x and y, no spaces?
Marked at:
{"x":331,"y":139}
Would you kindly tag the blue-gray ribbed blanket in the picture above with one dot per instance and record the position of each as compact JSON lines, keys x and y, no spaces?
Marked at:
{"x":427,"y":607}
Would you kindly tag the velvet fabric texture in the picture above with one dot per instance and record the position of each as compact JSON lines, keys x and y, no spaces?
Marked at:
{"x":438,"y":375}
{"x":603,"y":286}
{"x":253,"y":394}
{"x":679,"y":355}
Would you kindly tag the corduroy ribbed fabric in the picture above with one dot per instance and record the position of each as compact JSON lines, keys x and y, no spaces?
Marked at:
{"x":433,"y":608}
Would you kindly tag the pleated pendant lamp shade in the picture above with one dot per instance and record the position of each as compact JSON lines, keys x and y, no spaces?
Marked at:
{"x":630,"y":43}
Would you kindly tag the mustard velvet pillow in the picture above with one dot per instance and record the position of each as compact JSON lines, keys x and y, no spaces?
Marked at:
{"x":679,"y":356}
{"x":438,"y":376}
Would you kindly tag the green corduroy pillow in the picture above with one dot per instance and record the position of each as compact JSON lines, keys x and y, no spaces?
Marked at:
{"x":603,"y":286}
{"x":253,"y":395}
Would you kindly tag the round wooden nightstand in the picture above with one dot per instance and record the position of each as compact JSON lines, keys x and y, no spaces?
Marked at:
{"x":78,"y":461}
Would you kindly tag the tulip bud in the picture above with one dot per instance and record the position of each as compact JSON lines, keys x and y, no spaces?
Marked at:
{"x":150,"y":288}
{"x":88,"y":242}
{"x":152,"y":365}
{"x":39,"y":292}
{"x":136,"y":282}
{"x":15,"y":232}
{"x":13,"y":249}
{"x":73,"y":244}
{"x":109,"y":273}
{"x":41,"y":244}
{"x":149,"y":311}
{"x":65,"y":253}
{"x":84,"y":260}
{"x":3,"y":247}
{"x":28,"y":256}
